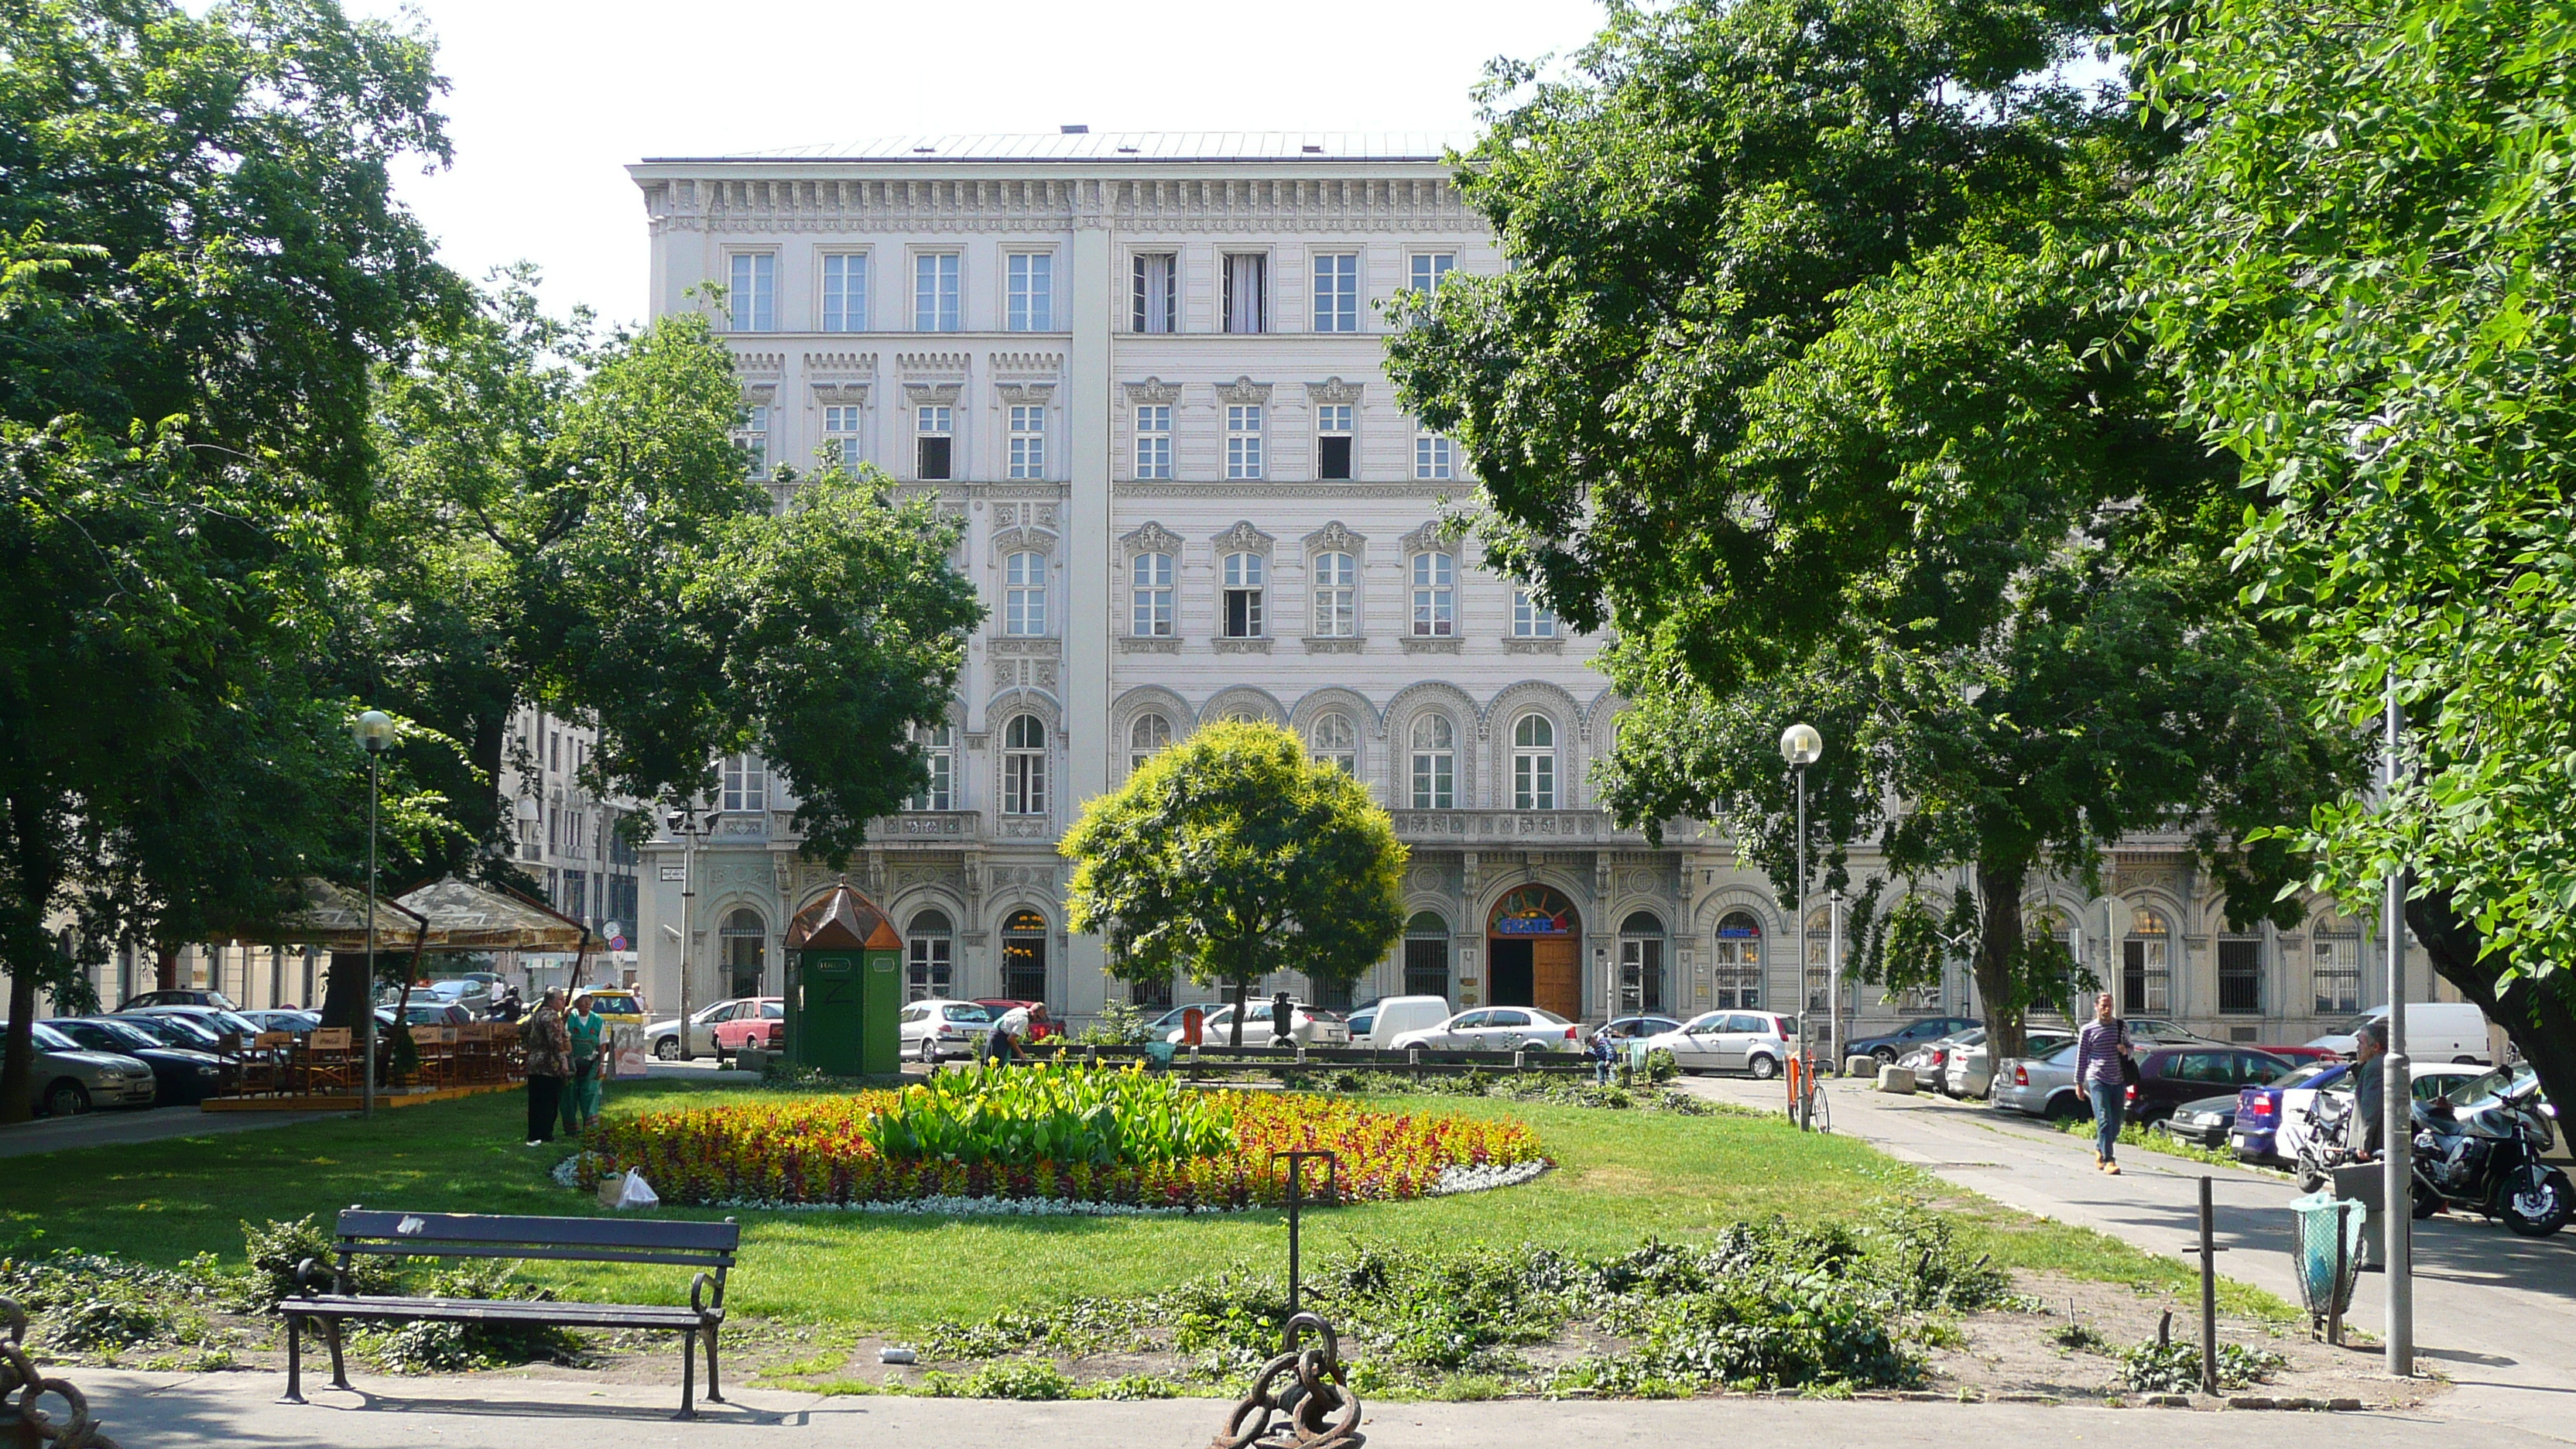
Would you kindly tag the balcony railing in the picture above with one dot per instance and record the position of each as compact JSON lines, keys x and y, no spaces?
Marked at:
{"x":926,"y":825}
{"x":1498,"y":827}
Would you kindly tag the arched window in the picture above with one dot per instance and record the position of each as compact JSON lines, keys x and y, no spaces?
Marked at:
{"x":1150,"y":734}
{"x":1435,"y":763}
{"x":1736,"y":967}
{"x":1152,"y":597}
{"x":1024,"y":957}
{"x":1024,"y":595}
{"x":1244,"y":574}
{"x":1534,"y":763}
{"x":938,"y":747}
{"x":1337,"y":612}
{"x":1335,"y":740}
{"x":931,"y":947}
{"x":746,"y":951}
{"x":1426,"y":955}
{"x":1024,"y":766}
{"x":2146,"y":963}
{"x":1435,"y":589}
{"x":1641,"y":964}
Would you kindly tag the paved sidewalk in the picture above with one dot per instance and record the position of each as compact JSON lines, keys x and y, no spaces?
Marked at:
{"x":2494,"y":1313}
{"x":238,"y":1409}
{"x":155,"y":1124}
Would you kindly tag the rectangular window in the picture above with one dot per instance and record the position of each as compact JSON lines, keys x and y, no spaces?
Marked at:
{"x":1032,"y":292}
{"x":1434,"y":780}
{"x":936,"y":747}
{"x":1530,"y":618}
{"x":1333,"y":440}
{"x":1533,"y":780}
{"x":1154,"y":440}
{"x":1337,"y":614}
{"x":746,"y":783}
{"x":2240,"y":976}
{"x":2142,"y":975}
{"x":934,"y":431}
{"x":1435,"y":601}
{"x":751,"y":292}
{"x":1247,"y":287}
{"x":936,"y":305}
{"x":1426,"y":967}
{"x":1157,"y":292}
{"x":845,"y":292}
{"x":1024,"y":594}
{"x":2338,"y":974}
{"x":1337,"y":292}
{"x":751,"y":436}
{"x":1432,"y":457}
{"x":928,"y":971}
{"x":1028,"y":440}
{"x":1243,"y":580}
{"x":1152,"y":614}
{"x":1430,"y":267}
{"x":842,"y":430}
{"x":1243,"y":440}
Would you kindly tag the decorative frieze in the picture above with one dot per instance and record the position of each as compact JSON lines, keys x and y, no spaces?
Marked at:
{"x":1518,"y":645}
{"x":1343,"y":644}
{"x":846,"y":394}
{"x":1153,"y":391}
{"x":1242,"y":646}
{"x":1334,"y":538}
{"x":1334,"y":390}
{"x":1243,"y":390}
{"x":1152,"y":538}
{"x":1025,"y":394}
{"x":1243,"y":538}
{"x":832,"y":203}
{"x":1415,"y":645}
{"x":1146,"y":644}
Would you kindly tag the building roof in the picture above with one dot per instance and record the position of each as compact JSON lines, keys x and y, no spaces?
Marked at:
{"x":1114,"y":146}
{"x":842,"y":920}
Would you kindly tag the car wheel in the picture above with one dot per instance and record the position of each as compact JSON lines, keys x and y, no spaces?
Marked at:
{"x":1763,"y":1068}
{"x":666,"y":1048}
{"x":1885,"y":1056}
{"x":2062,"y":1109}
{"x":929,"y":1054}
{"x":66,"y":1098}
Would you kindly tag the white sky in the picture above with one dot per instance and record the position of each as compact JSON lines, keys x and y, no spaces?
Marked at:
{"x":552,"y":98}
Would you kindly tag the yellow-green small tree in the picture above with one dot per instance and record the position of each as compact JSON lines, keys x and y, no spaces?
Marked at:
{"x":1231,"y":855}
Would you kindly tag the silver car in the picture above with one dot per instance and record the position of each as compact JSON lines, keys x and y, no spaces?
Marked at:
{"x":2040,"y":1086}
{"x":662,"y":1038}
{"x":1756,"y":1042}
{"x":1930,"y":1062}
{"x":68,"y":1079}
{"x":1971,"y":1069}
{"x":930,"y":1030}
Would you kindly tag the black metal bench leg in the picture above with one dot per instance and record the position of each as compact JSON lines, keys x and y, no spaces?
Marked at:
{"x":339,"y":1371}
{"x":294,"y":1359}
{"x":688,"y":1373}
{"x":715,"y":1393}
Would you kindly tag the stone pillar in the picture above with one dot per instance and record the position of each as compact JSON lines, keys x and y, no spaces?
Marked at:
{"x":1088,"y":543}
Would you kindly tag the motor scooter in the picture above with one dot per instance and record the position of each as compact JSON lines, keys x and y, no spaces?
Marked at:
{"x":2485,"y":1157}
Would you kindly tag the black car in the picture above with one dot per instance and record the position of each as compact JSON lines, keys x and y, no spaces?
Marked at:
{"x":1888,"y":1046}
{"x":2206,"y":1122}
{"x":183,"y":1075}
{"x":2170,"y":1076}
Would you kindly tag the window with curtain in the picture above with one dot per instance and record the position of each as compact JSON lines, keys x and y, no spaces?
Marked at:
{"x":1157,"y":292}
{"x":1534,"y":763}
{"x":746,"y":783}
{"x":751,"y":294}
{"x":1024,"y":766}
{"x":938,"y":748}
{"x":934,"y":438}
{"x":1154,"y":440}
{"x":1337,"y":614}
{"x":1243,"y":440}
{"x":1247,"y":289}
{"x":931,"y":949}
{"x":1435,"y":763}
{"x":937,"y":293}
{"x":1435,"y":604}
{"x":843,"y":435}
{"x":1333,"y":441}
{"x":1024,"y":594}
{"x":1031,"y":277}
{"x":845,"y":292}
{"x":1028,"y":441}
{"x":1530,"y":618}
{"x":1429,"y":268}
{"x":1147,"y":737}
{"x":1337,"y":292}
{"x":1151,"y":596}
{"x":751,"y":439}
{"x":1243,"y":584}
{"x":1337,"y":742}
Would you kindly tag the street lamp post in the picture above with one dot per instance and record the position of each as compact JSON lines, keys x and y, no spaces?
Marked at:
{"x":2397,"y":1098}
{"x":684,"y":823}
{"x":1801,"y":746}
{"x":374,"y":733}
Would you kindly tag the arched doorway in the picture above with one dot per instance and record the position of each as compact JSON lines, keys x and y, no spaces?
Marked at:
{"x":1533,"y":952}
{"x":1641,"y":964}
{"x":1024,"y":957}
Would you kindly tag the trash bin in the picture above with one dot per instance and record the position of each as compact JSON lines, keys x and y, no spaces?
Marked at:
{"x":2363,"y":1183}
{"x":2321,"y":1220}
{"x":1159,"y":1053}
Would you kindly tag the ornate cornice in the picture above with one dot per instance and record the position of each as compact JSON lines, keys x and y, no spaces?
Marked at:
{"x":1349,"y":204}
{"x":932,"y":366}
{"x":1431,"y":537}
{"x":1347,"y":644}
{"x":1243,"y":538}
{"x":932,"y":394}
{"x":1334,"y":538}
{"x":845,"y":393}
{"x":1025,"y":394}
{"x":1243,"y":390}
{"x":1334,"y":390}
{"x":1152,"y":538}
{"x":759,"y":394}
{"x":1026,"y":365}
{"x":1152,"y":390}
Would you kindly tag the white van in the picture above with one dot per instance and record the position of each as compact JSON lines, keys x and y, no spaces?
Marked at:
{"x":2436,"y":1031}
{"x":1396,"y":1015}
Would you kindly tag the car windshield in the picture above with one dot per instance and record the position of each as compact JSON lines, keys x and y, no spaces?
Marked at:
{"x":184,"y":1030}
{"x":2490,"y":1084}
{"x":52,"y":1040}
{"x":124,"y":1033}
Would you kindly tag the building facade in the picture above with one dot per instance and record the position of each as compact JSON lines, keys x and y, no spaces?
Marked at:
{"x":1144,"y":373}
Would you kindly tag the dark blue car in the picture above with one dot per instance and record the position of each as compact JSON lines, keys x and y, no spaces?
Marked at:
{"x":2258,"y":1109}
{"x":1888,"y":1046}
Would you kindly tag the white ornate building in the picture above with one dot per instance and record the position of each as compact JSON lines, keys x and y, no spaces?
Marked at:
{"x":1144,"y":372}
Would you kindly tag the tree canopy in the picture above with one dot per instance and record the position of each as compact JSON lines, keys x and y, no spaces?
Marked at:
{"x":1231,"y":855}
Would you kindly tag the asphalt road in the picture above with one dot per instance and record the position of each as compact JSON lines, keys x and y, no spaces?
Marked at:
{"x":2494,"y":1313}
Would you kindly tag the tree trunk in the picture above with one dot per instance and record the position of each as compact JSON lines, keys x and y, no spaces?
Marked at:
{"x":2539,"y":1014}
{"x":1998,"y":943}
{"x":165,"y":968}
{"x":39,"y":875}
{"x":1242,"y":995}
{"x":18,"y":1065}
{"x":348,"y":994}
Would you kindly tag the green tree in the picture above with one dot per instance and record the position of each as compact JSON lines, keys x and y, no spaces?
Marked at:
{"x":1808,"y":380}
{"x":2361,"y":265}
{"x":1231,"y":855}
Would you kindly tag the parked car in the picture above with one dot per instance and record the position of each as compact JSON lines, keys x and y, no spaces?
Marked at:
{"x":2171,"y":1076}
{"x":67,"y":1079}
{"x":1971,"y":1072}
{"x":1888,"y":1046}
{"x":1637,"y":1028}
{"x":1162,"y":1027}
{"x":181,"y":1076}
{"x":619,"y":1005}
{"x":1312,"y":1025}
{"x":2204,"y":1122}
{"x":2286,"y":1121}
{"x":1392,"y":1016}
{"x":2259,"y":1109}
{"x":2436,"y":1031}
{"x":1495,"y":1029}
{"x":285,"y":1019}
{"x":426,"y":1013}
{"x":180,"y":996}
{"x":934,"y":1029}
{"x":1758,"y":1042}
{"x":2155,"y":1031}
{"x":222,"y":1021}
{"x":2304,"y":1056}
{"x":475,"y":996}
{"x":762,"y":1022}
{"x":2040,"y":1086}
{"x":1930,"y":1061}
{"x":662,"y":1038}
{"x":1041,"y":1025}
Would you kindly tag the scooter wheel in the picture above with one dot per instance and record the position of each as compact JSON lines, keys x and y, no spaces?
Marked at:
{"x":2427,"y":1202}
{"x":2539,"y":1205}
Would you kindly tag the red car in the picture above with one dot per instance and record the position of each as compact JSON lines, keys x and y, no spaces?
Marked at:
{"x":755,"y":1024}
{"x":1041,"y":1025}
{"x":2304,"y":1056}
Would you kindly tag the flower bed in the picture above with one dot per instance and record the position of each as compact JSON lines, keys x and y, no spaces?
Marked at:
{"x":824,"y":1150}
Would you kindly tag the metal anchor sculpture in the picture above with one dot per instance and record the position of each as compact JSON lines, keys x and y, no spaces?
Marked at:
{"x":21,"y":1421}
{"x":1301,"y":1400}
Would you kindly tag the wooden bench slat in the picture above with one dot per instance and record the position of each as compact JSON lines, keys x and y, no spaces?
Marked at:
{"x":497,"y":1228}
{"x":433,"y":1248}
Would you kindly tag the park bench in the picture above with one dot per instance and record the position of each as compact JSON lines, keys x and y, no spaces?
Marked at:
{"x":709,"y":1247}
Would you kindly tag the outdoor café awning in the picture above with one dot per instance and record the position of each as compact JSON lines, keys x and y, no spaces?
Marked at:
{"x":335,"y":918}
{"x":463,"y":916}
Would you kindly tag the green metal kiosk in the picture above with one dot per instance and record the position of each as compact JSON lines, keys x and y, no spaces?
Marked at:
{"x":844,"y":987}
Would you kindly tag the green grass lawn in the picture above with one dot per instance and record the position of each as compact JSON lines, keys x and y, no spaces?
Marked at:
{"x":1622,"y":1177}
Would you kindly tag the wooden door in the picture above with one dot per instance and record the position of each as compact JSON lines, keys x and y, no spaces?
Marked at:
{"x":1556,"y":972}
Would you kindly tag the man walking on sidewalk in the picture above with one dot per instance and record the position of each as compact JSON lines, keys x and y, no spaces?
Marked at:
{"x":2101,"y":1069}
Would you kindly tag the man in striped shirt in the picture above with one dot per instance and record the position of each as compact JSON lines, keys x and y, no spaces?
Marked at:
{"x":2099,"y":1048}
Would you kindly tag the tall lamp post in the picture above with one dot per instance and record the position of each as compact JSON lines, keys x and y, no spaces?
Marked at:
{"x":1801,"y":746}
{"x":686,"y":824}
{"x":2397,"y":1180}
{"x":374,"y":733}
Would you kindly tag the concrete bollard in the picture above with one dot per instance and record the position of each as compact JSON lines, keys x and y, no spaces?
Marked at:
{"x":1899,"y":1080}
{"x":1860,"y":1064}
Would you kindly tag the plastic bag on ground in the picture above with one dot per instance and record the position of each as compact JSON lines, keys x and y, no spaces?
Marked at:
{"x":627,"y":1190}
